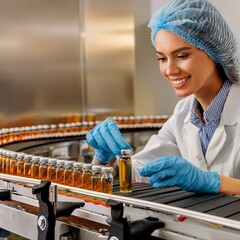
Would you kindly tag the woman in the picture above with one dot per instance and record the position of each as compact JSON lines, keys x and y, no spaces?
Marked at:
{"x":198,"y":147}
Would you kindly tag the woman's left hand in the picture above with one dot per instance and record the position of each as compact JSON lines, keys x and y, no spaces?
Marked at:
{"x":176,"y":171}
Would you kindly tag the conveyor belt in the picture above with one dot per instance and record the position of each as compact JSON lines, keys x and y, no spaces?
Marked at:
{"x":226,"y":206}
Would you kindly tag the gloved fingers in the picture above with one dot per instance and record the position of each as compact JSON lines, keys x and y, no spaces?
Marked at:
{"x":102,"y":139}
{"x":116,"y":135}
{"x":90,"y":139}
{"x":99,"y":137}
{"x":92,"y":136}
{"x":162,"y":175}
{"x":163,"y":184}
{"x":107,"y":136}
{"x":113,"y":137}
{"x":157,"y":165}
{"x":103,"y":156}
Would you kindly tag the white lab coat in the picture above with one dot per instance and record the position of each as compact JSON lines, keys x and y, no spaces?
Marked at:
{"x":180,"y":137}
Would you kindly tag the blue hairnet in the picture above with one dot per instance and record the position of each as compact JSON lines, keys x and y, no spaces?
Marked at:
{"x":199,"y":23}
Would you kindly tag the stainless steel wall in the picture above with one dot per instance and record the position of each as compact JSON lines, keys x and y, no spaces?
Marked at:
{"x":61,"y":56}
{"x":109,"y":45}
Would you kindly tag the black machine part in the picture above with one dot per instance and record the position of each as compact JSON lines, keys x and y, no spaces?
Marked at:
{"x":137,"y":230}
{"x":46,"y":216}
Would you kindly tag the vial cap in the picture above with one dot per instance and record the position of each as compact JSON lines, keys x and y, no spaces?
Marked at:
{"x":60,"y":162}
{"x":35,"y":159}
{"x":27,"y":158}
{"x":13,"y":155}
{"x":87,"y":166}
{"x":68,"y":163}
{"x":107,"y":169}
{"x":96,"y":167}
{"x":20,"y":155}
{"x":33,"y":128}
{"x":61,"y":125}
{"x":125,"y":151}
{"x":43,"y":160}
{"x":8,"y":153}
{"x":52,"y":161}
{"x":53,"y":126}
{"x":78,"y":164}
{"x":40,"y":127}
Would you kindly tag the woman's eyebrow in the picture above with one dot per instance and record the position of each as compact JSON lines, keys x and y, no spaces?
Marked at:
{"x":176,"y":50}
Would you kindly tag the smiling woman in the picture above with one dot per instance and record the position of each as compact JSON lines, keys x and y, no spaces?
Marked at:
{"x":182,"y":64}
{"x":198,"y":148}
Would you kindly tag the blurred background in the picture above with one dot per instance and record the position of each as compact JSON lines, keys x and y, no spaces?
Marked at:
{"x":61,"y":60}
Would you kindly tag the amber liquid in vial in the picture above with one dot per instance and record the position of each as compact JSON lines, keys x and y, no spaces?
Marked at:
{"x":68,"y":177}
{"x":27,"y":169}
{"x":125,"y":172}
{"x":52,"y":170}
{"x":35,"y":171}
{"x":107,"y":180}
{"x":7,"y":165}
{"x":60,"y":175}
{"x":96,"y":178}
{"x":52,"y":174}
{"x":87,"y":180}
{"x":107,"y":186}
{"x":87,"y":176}
{"x":20,"y":168}
{"x":43,"y":172}
{"x":97,"y":186}
{"x":13,"y":167}
{"x":77,"y":179}
{"x":3,"y":164}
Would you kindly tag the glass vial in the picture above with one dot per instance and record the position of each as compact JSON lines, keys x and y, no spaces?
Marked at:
{"x":87,"y":176}
{"x":68,"y":173}
{"x":60,"y":171}
{"x":125,"y":171}
{"x":77,"y":174}
{"x":4,"y":161}
{"x":8,"y":157}
{"x":13,"y":164}
{"x":52,"y":170}
{"x":20,"y":164}
{"x":96,"y":178}
{"x":107,"y":180}
{"x":35,"y":167}
{"x":1,"y":154}
{"x":27,"y":166}
{"x":43,"y":168}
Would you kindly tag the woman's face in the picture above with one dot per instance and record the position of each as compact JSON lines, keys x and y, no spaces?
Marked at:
{"x":188,"y":69}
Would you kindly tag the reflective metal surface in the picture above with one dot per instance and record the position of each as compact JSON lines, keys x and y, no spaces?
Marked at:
{"x":63,"y":56}
{"x":39,"y":56}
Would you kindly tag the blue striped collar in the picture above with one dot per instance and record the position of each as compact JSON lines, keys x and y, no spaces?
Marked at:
{"x":214,"y":110}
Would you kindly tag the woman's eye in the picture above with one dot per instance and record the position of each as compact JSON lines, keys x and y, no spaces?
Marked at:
{"x":162,"y":59}
{"x":182,"y":56}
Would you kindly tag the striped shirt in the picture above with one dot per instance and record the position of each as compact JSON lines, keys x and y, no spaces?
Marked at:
{"x":212,"y":115}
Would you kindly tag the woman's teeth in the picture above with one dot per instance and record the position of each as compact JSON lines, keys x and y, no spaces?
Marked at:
{"x":177,"y":82}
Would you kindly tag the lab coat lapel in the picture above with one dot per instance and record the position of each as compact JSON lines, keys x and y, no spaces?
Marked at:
{"x":229,"y":117}
{"x":216,"y":144}
{"x":194,"y":145}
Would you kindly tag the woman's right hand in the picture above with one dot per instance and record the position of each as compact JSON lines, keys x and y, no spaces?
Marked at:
{"x":107,"y":140}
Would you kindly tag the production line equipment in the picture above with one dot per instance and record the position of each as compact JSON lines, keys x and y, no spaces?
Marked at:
{"x":45,"y":210}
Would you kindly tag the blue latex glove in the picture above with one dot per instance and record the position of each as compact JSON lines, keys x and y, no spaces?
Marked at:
{"x":175,"y":171}
{"x":106,"y":140}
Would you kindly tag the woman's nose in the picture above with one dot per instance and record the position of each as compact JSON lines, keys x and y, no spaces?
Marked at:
{"x":171,"y":68}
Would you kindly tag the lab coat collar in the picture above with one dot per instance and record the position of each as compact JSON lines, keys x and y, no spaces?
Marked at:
{"x":230,"y":115}
{"x":231,"y":111}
